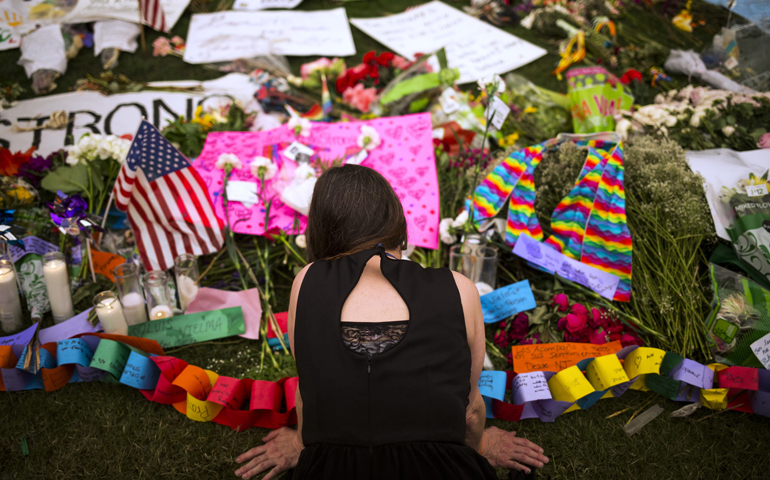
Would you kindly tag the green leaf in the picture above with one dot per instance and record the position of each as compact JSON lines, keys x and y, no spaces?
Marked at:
{"x":67,"y":179}
{"x":757,"y":133}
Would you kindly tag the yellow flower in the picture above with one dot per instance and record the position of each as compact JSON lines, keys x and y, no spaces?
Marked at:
{"x":204,"y":120}
{"x":509,"y":140}
{"x":530,"y":110}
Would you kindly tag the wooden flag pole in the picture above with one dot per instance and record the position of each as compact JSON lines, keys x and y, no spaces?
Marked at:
{"x":141,"y":27}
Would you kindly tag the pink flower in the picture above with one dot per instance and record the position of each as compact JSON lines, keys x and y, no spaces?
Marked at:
{"x":309,"y":68}
{"x":502,"y":325}
{"x":630,"y":338}
{"x":598,"y":336}
{"x":401,"y":63}
{"x":359,"y":97}
{"x":509,"y":357}
{"x":520,"y":327}
{"x":161,"y":47}
{"x":177,"y":40}
{"x":764,"y":141}
{"x":575,"y":324}
{"x":501,"y":340}
{"x":534,"y":339}
{"x":562,"y":301}
{"x":579,"y":310}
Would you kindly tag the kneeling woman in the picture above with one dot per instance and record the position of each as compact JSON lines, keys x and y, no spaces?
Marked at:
{"x":388,"y":354}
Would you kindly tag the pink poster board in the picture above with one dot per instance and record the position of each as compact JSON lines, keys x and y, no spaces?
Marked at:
{"x":405,"y":158}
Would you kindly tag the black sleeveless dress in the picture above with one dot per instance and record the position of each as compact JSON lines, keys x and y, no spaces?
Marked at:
{"x":398,"y":414}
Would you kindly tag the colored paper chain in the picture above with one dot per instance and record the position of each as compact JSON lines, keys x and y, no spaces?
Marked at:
{"x":546,"y":395}
{"x":200,"y":394}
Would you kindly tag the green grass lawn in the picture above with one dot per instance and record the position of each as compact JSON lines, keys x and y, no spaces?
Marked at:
{"x":110,"y":431}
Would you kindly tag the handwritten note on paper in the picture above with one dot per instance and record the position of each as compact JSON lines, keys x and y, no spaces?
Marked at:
{"x":554,"y":357}
{"x":507,"y":301}
{"x":105,"y":263}
{"x":264,"y":4}
{"x":643,"y":360}
{"x":605,"y":372}
{"x":761,"y":349}
{"x":405,"y":158}
{"x":529,"y":387}
{"x":224,"y":36}
{"x":546,"y":257}
{"x":192,"y":328}
{"x":492,"y":385}
{"x":476,"y":48}
{"x":693,"y":373}
{"x":569,"y":385}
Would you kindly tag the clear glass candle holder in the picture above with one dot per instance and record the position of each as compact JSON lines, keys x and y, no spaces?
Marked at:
{"x":10,"y":302}
{"x":130,"y":293}
{"x":157,"y":294}
{"x":186,"y":273}
{"x":57,"y":283}
{"x":110,"y":313}
{"x":480,"y":266}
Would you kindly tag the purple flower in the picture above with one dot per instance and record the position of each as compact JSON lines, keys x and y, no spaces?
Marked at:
{"x":69,"y":213}
{"x":33,"y":171}
{"x":520,"y":327}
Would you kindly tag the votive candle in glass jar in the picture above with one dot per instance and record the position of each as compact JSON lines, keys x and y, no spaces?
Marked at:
{"x":110,"y":313}
{"x":157,"y":294}
{"x":57,"y":283}
{"x":130,"y":293}
{"x":10,"y":304}
{"x":186,"y":272}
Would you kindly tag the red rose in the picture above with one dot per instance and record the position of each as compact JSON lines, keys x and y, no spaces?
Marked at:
{"x":385,"y":58}
{"x":501,"y":340}
{"x":630,"y":76}
{"x":579,"y":310}
{"x":562,"y":301}
{"x":598,"y":336}
{"x":368,"y":57}
{"x":575,"y":324}
{"x":630,"y":338}
{"x":520,"y":327}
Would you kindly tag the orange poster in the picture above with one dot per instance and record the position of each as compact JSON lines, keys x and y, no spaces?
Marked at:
{"x":555,"y":357}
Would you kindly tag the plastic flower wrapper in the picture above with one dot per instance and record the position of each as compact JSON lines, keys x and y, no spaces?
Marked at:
{"x":311,"y":72}
{"x":69,"y":213}
{"x":8,"y":231}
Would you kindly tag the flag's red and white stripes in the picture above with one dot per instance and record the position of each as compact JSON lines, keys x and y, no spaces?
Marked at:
{"x":153,"y":14}
{"x":170,"y":216}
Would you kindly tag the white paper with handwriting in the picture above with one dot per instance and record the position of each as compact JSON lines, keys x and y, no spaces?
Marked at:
{"x":476,"y":48}
{"x":225,"y":36}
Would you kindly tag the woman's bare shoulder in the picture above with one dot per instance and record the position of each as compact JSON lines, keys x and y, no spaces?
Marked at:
{"x":468,"y":291}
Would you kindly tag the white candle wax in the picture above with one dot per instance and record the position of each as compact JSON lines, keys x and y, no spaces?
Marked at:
{"x":160,"y":311}
{"x":10,"y":306}
{"x":187,"y":290}
{"x":111,"y":316}
{"x":133,"y":308}
{"x":58,"y":284}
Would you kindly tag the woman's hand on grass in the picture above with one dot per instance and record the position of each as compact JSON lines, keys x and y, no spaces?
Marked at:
{"x":506,"y":450}
{"x":280,"y":452}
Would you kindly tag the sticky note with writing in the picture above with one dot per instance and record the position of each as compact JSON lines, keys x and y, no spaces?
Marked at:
{"x":192,"y":328}
{"x":507,"y":301}
{"x":761,"y":349}
{"x":643,"y":360}
{"x":744,"y":378}
{"x":554,"y":357}
{"x":605,"y":372}
{"x":529,"y":387}
{"x":668,"y":387}
{"x":492,"y":385}
{"x":569,"y":385}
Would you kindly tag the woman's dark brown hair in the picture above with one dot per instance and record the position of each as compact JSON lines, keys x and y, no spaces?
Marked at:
{"x":353,"y":208}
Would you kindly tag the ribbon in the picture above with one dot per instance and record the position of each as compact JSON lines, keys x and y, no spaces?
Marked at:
{"x":200,"y":394}
{"x":568,"y":56}
{"x":546,"y":395}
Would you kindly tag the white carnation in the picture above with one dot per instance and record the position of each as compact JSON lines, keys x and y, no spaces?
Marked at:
{"x":461,"y":219}
{"x":369,"y":138}
{"x":229,"y":159}
{"x":300,"y":241}
{"x":300,"y":126}
{"x":262,"y":167}
{"x":443,"y":228}
{"x":728,"y":130}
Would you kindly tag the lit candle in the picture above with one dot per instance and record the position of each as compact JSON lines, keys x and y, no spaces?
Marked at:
{"x":110,"y":313}
{"x":187,"y":290}
{"x":160,"y":311}
{"x":134,"y":309}
{"x":10,"y":306}
{"x":58,"y":284}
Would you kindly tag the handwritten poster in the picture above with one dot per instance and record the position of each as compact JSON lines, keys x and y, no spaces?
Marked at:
{"x":193,"y":328}
{"x":476,"y":48}
{"x":507,"y":301}
{"x":554,"y":357}
{"x":120,"y":114}
{"x":105,"y":263}
{"x":224,"y":36}
{"x":405,"y":158}
{"x":548,"y":258}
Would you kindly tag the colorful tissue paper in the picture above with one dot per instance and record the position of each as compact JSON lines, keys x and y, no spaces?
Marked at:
{"x":404,"y":157}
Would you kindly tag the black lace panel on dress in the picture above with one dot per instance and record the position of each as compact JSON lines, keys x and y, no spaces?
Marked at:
{"x":372,"y":338}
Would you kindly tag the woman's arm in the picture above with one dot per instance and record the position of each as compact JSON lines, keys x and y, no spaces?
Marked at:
{"x":475,"y":414}
{"x":281,"y":447}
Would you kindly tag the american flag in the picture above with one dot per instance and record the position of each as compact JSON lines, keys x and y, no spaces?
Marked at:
{"x":153,"y":15}
{"x":166,"y":201}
